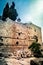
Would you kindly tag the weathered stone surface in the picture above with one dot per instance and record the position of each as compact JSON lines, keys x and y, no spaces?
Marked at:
{"x":16,"y":38}
{"x":19,"y":34}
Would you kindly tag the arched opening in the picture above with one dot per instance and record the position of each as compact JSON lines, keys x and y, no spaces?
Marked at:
{"x":17,"y":43}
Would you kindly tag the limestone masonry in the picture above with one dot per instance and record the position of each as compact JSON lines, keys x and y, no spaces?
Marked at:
{"x":19,"y":34}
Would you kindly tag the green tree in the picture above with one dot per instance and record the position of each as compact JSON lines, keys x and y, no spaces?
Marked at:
{"x":5,"y":12}
{"x":18,"y":19}
{"x":35,"y":37}
{"x":13,"y":12}
{"x":35,"y":48}
{"x":10,"y":12}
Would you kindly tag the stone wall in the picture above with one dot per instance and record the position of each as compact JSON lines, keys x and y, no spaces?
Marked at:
{"x":19,"y":34}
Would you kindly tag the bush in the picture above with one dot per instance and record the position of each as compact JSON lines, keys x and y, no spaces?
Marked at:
{"x":1,"y":44}
{"x":35,"y":48}
{"x":33,"y":63}
{"x":41,"y":62}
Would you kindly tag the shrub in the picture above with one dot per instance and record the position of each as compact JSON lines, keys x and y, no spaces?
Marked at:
{"x":35,"y":48}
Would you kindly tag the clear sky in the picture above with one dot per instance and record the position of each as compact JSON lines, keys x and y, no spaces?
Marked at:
{"x":28,"y":10}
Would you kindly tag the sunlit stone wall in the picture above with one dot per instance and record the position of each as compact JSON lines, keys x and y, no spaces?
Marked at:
{"x":19,"y":34}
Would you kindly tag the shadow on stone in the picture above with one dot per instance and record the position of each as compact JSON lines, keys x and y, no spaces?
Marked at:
{"x":3,"y":62}
{"x":33,"y":63}
{"x":41,"y":62}
{"x":1,"y":55}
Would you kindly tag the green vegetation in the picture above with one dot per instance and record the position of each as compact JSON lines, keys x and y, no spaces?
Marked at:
{"x":9,"y":12}
{"x":36,"y":38}
{"x":33,"y":63}
{"x":35,"y":48}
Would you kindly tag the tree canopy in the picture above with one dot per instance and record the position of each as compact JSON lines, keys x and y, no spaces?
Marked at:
{"x":5,"y":12}
{"x":10,"y":12}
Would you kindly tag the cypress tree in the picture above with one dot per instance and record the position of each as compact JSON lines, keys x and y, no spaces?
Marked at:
{"x":10,"y":12}
{"x":5,"y":12}
{"x":13,"y":12}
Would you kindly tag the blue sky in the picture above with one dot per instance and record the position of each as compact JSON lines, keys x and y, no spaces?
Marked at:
{"x":28,"y":10}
